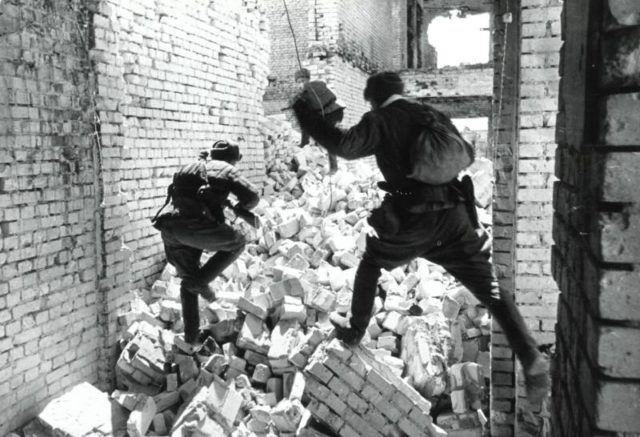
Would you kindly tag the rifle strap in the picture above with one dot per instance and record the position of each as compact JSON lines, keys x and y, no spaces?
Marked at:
{"x":166,"y":202}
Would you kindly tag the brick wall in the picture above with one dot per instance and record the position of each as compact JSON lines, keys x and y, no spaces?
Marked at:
{"x":504,"y":133}
{"x":448,"y":82}
{"x":366,"y":34}
{"x":356,"y":395}
{"x":399,"y":27}
{"x":48,"y":293}
{"x":76,"y":196}
{"x":536,"y":291}
{"x":182,"y":91}
{"x":341,"y":43}
{"x":524,"y":134}
{"x":596,"y":255}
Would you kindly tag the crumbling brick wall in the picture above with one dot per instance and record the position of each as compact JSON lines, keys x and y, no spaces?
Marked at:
{"x":448,"y":82}
{"x":86,"y":152}
{"x":596,"y":252}
{"x":341,"y":43}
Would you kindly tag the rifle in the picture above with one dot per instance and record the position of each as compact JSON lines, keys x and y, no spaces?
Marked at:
{"x":244,"y":214}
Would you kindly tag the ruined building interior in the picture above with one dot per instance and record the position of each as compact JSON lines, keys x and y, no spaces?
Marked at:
{"x":102,"y":100}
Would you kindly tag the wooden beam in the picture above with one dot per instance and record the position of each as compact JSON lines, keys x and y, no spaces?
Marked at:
{"x":461,"y":106}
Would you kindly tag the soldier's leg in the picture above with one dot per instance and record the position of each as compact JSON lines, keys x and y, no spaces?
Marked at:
{"x":190,"y":315}
{"x":476,"y":274}
{"x":222,"y":239}
{"x":467,"y":259}
{"x":389,"y":249}
{"x":228,"y":245}
{"x":364,"y":293}
{"x":186,"y":260}
{"x":333,"y":163}
{"x":304,"y":139}
{"x":218,"y":263}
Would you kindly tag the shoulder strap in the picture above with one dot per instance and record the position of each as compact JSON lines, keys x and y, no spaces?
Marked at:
{"x":166,"y":202}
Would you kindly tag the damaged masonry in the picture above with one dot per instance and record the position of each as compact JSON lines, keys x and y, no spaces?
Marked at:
{"x":103,"y":101}
{"x":270,"y":365}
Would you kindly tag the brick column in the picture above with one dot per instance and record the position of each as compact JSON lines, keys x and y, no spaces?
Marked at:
{"x":505,"y":139}
{"x":399,"y":26}
{"x":597,"y":249}
{"x":536,"y":291}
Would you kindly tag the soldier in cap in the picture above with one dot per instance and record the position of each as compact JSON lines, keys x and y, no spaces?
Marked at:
{"x":196,"y":223}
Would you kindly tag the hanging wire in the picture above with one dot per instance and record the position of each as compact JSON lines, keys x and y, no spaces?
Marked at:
{"x":497,"y":120}
{"x":293,"y":34}
{"x":295,"y":45}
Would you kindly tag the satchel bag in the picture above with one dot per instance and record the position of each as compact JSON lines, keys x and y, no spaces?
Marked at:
{"x":439,"y":153}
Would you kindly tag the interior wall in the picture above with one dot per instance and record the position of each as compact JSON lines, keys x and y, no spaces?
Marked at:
{"x":338,"y":41}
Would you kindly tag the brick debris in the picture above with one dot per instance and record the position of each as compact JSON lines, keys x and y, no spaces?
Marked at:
{"x":270,"y":366}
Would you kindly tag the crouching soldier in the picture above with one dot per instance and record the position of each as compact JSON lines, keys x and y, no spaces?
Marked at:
{"x":322,"y":100}
{"x":196,"y":223}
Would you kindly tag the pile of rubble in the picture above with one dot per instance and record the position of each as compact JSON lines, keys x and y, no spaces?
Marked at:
{"x":269,"y":366}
